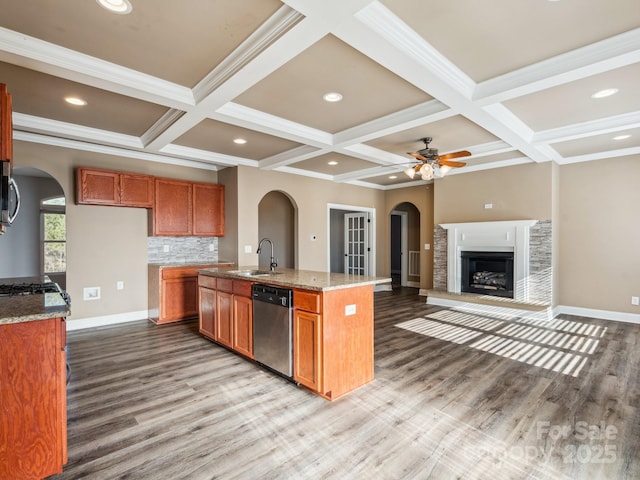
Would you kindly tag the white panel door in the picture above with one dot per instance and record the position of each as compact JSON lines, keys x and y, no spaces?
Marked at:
{"x":356,"y":243}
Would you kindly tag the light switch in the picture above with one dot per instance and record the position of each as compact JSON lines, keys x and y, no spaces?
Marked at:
{"x":247,"y":249}
{"x":427,"y":246}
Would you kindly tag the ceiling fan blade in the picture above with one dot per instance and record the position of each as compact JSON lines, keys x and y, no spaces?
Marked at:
{"x":451,"y":163}
{"x":461,"y":153}
{"x":417,"y":156}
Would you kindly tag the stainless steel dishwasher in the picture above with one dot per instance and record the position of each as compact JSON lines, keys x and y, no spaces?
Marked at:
{"x":272,"y":328}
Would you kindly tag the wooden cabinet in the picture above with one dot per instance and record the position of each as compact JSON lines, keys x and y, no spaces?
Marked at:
{"x":173,"y":292}
{"x":207,"y":299}
{"x":6,"y":125}
{"x":173,"y":208}
{"x":208,"y":210}
{"x":232,"y":313}
{"x":106,"y":187}
{"x":33,"y":403}
{"x":307,"y":329}
{"x":188,"y":209}
{"x":333,"y":340}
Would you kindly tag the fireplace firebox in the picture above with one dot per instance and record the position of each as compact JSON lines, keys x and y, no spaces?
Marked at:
{"x":487,"y":273}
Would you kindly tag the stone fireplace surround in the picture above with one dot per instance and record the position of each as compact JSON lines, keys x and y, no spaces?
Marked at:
{"x":529,"y":240}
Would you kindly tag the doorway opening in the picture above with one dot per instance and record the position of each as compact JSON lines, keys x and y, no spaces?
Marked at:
{"x":351,"y":245}
{"x":404,"y":245}
{"x":277,"y":220}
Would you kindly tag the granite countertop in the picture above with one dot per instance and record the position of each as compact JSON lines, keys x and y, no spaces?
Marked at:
{"x":29,"y":308}
{"x":188,"y":264}
{"x":305,"y":279}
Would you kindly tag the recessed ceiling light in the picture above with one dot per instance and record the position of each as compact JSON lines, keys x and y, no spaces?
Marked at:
{"x":116,"y":6}
{"x":332,"y":162}
{"x":607,"y":92}
{"x":393,"y":177}
{"x":621,"y":137}
{"x":239,"y":141}
{"x":75,"y":101}
{"x":332,"y":97}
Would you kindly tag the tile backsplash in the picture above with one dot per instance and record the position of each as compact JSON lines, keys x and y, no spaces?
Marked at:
{"x":182,"y":249}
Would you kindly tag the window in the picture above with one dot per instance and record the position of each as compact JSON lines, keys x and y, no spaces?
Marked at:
{"x":54,"y":235}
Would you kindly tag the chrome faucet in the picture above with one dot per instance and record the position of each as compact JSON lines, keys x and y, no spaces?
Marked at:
{"x":272,"y":264}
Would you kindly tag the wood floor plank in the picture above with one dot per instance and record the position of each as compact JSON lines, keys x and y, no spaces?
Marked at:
{"x":461,"y":396}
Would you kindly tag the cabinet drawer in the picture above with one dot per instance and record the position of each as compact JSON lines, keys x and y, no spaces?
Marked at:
{"x":179,"y":272}
{"x":207,"y":282}
{"x":225,"y":284}
{"x":309,"y":301}
{"x":241,"y":287}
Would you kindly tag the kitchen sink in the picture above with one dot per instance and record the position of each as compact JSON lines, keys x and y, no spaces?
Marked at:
{"x":254,"y":273}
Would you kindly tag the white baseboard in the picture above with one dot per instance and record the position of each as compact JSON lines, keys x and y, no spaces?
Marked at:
{"x":105,"y":320}
{"x":546,"y":314}
{"x":602,"y":314}
{"x":413,"y":284}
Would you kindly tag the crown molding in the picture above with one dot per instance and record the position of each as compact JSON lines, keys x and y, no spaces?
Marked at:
{"x":107,"y":150}
{"x":623,"y":152}
{"x":162,"y":124}
{"x":614,"y":52}
{"x":57,"y":128}
{"x":385,"y":23}
{"x":206,"y":156}
{"x":51,"y":59}
{"x":274,"y":28}
{"x":614,"y":123}
{"x":247,"y":117}
{"x":294,"y":155}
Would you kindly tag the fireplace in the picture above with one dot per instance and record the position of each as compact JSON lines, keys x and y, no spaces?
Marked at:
{"x":487,"y":273}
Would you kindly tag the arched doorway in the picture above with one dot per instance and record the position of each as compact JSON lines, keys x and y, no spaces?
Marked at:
{"x":37,"y":237}
{"x":277,"y":221}
{"x":405,"y":245}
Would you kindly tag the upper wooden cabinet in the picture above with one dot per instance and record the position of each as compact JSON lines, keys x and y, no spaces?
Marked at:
{"x":189,"y":209}
{"x":106,"y":187}
{"x":6,"y":125}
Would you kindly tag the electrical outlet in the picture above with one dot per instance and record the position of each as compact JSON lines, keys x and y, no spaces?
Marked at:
{"x":91,"y":293}
{"x":120,"y":285}
{"x":635,"y":300}
{"x":488,"y":206}
{"x":165,"y":248}
{"x":350,"y":309}
{"x":248,"y":249}
{"x":427,"y":246}
{"x":211,"y":247}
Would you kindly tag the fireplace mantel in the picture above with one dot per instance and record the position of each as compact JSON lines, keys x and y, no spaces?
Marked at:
{"x":505,"y":236}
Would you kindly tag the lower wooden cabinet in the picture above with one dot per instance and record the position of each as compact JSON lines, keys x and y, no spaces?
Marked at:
{"x":333,"y":340}
{"x":33,"y":400}
{"x":307,"y":328}
{"x":231,"y":314}
{"x":173,"y":292}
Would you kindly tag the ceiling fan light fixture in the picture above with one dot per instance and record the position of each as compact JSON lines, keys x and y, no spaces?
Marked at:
{"x":426,"y":172}
{"x":410,"y":172}
{"x":444,"y":169}
{"x":121,"y":7}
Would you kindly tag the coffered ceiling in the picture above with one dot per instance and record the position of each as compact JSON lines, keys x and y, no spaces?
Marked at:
{"x":177,"y":82}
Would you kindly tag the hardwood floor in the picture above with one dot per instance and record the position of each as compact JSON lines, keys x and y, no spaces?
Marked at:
{"x":456,"y":395}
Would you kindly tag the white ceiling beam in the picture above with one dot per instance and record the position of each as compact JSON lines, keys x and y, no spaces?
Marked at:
{"x":615,"y":123}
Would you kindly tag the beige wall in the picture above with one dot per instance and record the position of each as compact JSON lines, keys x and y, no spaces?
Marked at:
{"x":422,"y":198}
{"x":520,"y":192}
{"x":104,"y":244}
{"x":310,"y":197}
{"x":600,"y":234}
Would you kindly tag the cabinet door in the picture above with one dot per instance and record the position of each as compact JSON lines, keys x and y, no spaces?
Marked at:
{"x":307,"y":349}
{"x":243,"y":325}
{"x":223,"y":318}
{"x":136,"y":190}
{"x":207,"y":312}
{"x":173,"y":208}
{"x":179,"y":298}
{"x":33,"y":400}
{"x":98,"y":187}
{"x":208,"y":209}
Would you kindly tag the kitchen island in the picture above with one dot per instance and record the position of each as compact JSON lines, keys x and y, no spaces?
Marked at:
{"x":332,"y":322}
{"x":33,"y":406}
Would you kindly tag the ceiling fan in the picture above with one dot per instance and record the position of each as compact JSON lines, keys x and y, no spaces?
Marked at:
{"x":431,"y":164}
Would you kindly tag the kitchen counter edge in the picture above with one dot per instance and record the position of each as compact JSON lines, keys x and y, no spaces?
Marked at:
{"x":303,"y":279}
